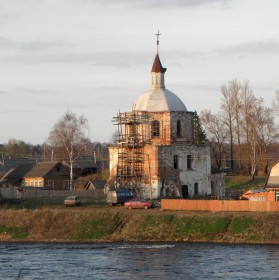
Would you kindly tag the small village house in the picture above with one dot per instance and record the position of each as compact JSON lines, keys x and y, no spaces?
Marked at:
{"x":13,"y":174}
{"x":52,"y":175}
{"x":258,"y":195}
{"x":272,"y":181}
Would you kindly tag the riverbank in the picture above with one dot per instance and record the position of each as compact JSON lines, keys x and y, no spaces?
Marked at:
{"x":116,"y":224}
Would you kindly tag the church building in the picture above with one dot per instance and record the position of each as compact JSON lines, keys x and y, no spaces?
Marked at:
{"x":155,"y":154}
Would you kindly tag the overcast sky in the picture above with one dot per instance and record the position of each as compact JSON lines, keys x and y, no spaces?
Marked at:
{"x":94,"y":57}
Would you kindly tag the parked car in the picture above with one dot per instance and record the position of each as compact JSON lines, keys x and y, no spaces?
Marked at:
{"x":137,"y":203}
{"x":72,"y":201}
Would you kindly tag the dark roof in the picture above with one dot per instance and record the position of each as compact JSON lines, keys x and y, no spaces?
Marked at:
{"x":6,"y":168}
{"x":157,"y":66}
{"x":41,"y":169}
{"x":98,"y":184}
{"x":84,"y":183}
{"x":17,"y":173}
{"x":7,"y":164}
{"x":17,"y":161}
{"x":85,"y":163}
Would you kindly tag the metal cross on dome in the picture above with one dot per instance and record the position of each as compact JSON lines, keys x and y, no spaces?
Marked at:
{"x":158,"y":34}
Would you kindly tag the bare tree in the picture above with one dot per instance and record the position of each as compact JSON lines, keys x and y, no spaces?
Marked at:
{"x":246,"y":124}
{"x":216,"y":135}
{"x":248,"y":103}
{"x":275,"y":103}
{"x":114,"y":137}
{"x":266,"y":134}
{"x":230,"y":92}
{"x":69,"y":137}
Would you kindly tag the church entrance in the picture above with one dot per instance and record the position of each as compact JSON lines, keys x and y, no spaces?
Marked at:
{"x":185,"y":192}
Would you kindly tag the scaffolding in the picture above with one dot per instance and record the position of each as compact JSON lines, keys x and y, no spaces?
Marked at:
{"x":133,"y":128}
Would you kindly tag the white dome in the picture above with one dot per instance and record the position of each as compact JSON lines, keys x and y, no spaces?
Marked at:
{"x":159,"y":100}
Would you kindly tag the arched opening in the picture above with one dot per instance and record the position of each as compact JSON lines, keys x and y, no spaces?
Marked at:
{"x":155,"y":129}
{"x":196,"y":186}
{"x":175,"y":162}
{"x":178,"y":128}
{"x":189,"y":162}
{"x":185,"y":192}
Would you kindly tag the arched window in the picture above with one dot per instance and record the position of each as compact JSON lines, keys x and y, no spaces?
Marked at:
{"x":178,"y":129}
{"x":189,"y":162}
{"x":196,"y":186}
{"x":185,"y":191}
{"x":175,"y":162}
{"x":155,"y":126}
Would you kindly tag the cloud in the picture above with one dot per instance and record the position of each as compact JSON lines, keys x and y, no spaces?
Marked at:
{"x":6,"y":17}
{"x":6,"y":43}
{"x":38,"y":45}
{"x":266,"y":47}
{"x":34,"y":91}
{"x":2,"y":92}
{"x":158,"y":3}
{"x":42,"y":45}
{"x":207,"y":87}
{"x":173,"y":3}
{"x":117,"y":59}
{"x":19,"y":112}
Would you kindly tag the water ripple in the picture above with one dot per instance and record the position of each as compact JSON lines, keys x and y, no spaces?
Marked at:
{"x":138,"y":261}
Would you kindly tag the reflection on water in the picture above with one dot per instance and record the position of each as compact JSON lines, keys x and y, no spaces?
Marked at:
{"x":138,"y":261}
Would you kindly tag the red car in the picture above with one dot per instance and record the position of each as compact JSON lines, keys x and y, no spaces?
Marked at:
{"x":137,"y":203}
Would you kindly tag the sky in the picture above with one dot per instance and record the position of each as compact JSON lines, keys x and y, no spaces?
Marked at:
{"x":94,"y":57}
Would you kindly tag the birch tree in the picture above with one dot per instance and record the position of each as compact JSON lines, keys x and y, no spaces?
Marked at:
{"x":69,"y":137}
{"x":275,"y":103}
{"x":266,"y":132}
{"x":216,"y":135}
{"x":230,"y":92}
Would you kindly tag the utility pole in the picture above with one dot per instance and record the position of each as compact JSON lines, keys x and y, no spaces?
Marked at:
{"x":149,"y":176}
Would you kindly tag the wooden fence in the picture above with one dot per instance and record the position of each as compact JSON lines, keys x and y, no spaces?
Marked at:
{"x":16,"y":193}
{"x":220,"y":205}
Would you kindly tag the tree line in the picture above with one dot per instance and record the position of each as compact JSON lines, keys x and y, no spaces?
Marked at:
{"x":243,"y":134}
{"x":16,"y":148}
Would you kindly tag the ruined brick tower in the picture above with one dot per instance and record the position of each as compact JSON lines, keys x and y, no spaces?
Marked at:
{"x":155,"y":154}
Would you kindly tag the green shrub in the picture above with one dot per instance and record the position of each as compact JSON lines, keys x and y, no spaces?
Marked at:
{"x":213,"y":225}
{"x":95,"y":228}
{"x":168,"y":219}
{"x":202,"y":226}
{"x":14,"y":232}
{"x":240,"y":224}
{"x":92,"y":229}
{"x":185,"y":225}
{"x":148,"y":221}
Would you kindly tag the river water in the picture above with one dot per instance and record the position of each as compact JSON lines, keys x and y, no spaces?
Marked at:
{"x":138,"y":261}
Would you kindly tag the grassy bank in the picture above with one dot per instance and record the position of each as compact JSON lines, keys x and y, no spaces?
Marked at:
{"x":118,"y":224}
{"x":244,"y":183}
{"x":49,"y":202}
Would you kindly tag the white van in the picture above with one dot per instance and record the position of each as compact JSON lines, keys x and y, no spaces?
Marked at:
{"x":119,"y":196}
